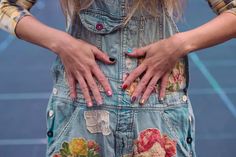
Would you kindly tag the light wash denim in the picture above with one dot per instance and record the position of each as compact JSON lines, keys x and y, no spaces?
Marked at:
{"x":119,"y":128}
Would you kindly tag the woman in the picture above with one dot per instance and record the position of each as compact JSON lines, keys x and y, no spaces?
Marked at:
{"x":121,"y":76}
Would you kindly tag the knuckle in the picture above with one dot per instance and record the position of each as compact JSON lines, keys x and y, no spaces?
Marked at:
{"x":102,"y":80}
{"x":150,"y":87}
{"x":84,"y":88}
{"x":143,"y":82}
{"x":93,"y":84}
{"x":135,"y":73}
{"x":72,"y":87}
{"x":97,"y":95}
{"x":82,"y":71}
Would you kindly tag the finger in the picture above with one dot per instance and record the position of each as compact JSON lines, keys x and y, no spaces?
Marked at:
{"x":137,"y":52}
{"x":102,"y":56}
{"x":163,"y":86}
{"x":149,"y":89}
{"x":133,"y":75}
{"x":102,"y":80}
{"x":94,"y":88}
{"x":72,"y":85}
{"x":85,"y":90}
{"x":142,"y":84}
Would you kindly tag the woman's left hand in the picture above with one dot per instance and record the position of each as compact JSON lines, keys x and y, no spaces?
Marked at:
{"x":160,"y":58}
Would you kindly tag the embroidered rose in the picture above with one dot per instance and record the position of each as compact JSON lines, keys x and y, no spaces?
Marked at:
{"x":177,"y":78}
{"x":155,"y":151}
{"x":147,"y":138}
{"x":151,"y":143}
{"x":169,"y":146}
{"x":93,"y":145}
{"x":79,"y":147}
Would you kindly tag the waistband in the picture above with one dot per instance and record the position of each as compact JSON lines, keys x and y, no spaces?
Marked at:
{"x":122,"y":100}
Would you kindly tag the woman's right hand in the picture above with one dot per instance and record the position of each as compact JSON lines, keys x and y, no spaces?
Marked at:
{"x":78,"y":58}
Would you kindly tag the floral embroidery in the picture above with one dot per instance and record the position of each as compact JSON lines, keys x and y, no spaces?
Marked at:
{"x":151,"y":143}
{"x":79,"y":147}
{"x":177,"y":78}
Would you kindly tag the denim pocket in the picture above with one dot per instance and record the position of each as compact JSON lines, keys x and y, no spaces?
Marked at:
{"x":60,"y":113}
{"x":180,"y":122}
{"x":99,"y":22}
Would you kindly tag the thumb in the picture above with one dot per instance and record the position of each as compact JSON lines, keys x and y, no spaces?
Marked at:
{"x":103,"y":56}
{"x":137,"y":52}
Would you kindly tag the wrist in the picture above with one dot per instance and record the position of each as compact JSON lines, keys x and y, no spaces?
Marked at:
{"x":184,"y":43}
{"x":61,"y":43}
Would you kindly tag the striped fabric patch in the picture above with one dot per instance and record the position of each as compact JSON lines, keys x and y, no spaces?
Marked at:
{"x":220,"y":6}
{"x":11,"y":11}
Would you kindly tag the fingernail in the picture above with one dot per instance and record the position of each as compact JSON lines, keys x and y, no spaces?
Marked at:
{"x":142,"y":102}
{"x":73,"y":97}
{"x":112,"y":59}
{"x":124,"y":86}
{"x":129,"y":50}
{"x":161,"y":98}
{"x":90,"y":104}
{"x":109,"y":93}
{"x":133,"y":99}
{"x":100,"y":103}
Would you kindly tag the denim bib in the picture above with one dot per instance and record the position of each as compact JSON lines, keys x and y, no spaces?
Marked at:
{"x":120,"y":128}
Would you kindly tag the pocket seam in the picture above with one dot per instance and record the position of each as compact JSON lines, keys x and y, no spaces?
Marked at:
{"x":63,"y":130}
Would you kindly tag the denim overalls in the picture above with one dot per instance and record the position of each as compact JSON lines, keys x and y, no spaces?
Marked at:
{"x":119,"y":128}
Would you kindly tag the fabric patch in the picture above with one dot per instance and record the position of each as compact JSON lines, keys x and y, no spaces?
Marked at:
{"x":97,"y":121}
{"x":79,"y":147}
{"x":150,"y":142}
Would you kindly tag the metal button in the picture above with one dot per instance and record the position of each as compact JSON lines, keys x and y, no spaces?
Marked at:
{"x":54,"y":91}
{"x":185,"y":98}
{"x":190,"y":119}
{"x":50,"y":113}
{"x":99,"y":26}
{"x":50,"y":134}
{"x":189,"y":140}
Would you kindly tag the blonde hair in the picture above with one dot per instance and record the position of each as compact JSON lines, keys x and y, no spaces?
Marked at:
{"x":174,"y":7}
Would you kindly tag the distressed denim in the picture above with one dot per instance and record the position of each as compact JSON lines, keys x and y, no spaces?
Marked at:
{"x":119,"y":128}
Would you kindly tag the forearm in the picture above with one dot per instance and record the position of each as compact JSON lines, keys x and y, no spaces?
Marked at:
{"x":31,"y":30}
{"x":218,"y":30}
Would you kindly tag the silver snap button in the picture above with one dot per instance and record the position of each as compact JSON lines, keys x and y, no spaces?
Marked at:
{"x":54,"y":91}
{"x":190,"y":119}
{"x":50,"y":113}
{"x":185,"y":98}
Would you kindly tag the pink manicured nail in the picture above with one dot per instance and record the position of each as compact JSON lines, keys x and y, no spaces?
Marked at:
{"x":109,"y":93}
{"x":100,"y":102}
{"x":90,"y":104}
